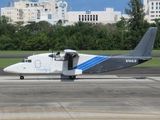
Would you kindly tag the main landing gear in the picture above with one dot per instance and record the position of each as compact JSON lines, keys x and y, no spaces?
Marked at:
{"x":22,"y":77}
{"x":72,"y":77}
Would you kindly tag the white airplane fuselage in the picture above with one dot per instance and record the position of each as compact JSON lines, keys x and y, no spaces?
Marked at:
{"x":42,"y":64}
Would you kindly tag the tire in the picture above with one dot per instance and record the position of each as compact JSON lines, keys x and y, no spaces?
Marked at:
{"x":72,"y":77}
{"x":22,"y":77}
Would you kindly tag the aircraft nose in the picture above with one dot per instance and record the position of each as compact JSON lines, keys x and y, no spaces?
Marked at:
{"x":10,"y":69}
{"x":7,"y":69}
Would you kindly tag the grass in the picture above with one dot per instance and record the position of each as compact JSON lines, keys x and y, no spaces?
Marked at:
{"x":6,"y":62}
{"x":21,"y":52}
{"x":109,"y":52}
{"x":155,"y":62}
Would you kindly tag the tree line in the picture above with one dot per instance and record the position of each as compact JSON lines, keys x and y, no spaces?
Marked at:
{"x":123,"y":35}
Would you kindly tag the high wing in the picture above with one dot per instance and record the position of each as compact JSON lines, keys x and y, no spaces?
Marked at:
{"x":71,"y":52}
{"x":70,"y":55}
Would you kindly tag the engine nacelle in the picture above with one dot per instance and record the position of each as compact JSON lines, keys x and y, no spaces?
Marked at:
{"x":59,"y":59}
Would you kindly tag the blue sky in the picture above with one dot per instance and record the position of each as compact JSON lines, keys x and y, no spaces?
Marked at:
{"x":84,"y":5}
{"x":97,"y":5}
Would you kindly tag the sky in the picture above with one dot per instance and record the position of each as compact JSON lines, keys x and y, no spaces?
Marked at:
{"x":85,"y":5}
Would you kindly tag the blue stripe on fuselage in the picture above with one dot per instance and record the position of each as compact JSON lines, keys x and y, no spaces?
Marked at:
{"x":92,"y":62}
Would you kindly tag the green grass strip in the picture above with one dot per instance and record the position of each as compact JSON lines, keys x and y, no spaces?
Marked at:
{"x":109,"y":52}
{"x":155,"y":62}
{"x":4,"y":62}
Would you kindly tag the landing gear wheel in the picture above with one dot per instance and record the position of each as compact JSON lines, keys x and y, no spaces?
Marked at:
{"x":72,"y":77}
{"x":22,"y":77}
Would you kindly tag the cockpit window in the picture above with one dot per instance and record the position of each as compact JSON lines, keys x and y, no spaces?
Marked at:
{"x":27,"y":61}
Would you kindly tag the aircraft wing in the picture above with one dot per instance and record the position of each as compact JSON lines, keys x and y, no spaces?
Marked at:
{"x":64,"y":56}
{"x":70,"y":52}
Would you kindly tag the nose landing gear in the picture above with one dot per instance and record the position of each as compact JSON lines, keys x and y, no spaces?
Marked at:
{"x":22,"y":77}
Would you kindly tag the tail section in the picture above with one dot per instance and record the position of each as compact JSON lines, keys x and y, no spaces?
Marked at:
{"x":145,"y":46}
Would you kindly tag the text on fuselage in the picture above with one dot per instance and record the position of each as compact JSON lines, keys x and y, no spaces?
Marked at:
{"x":131,"y":61}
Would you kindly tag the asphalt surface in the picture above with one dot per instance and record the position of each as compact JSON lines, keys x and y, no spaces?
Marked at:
{"x":95,"y":97}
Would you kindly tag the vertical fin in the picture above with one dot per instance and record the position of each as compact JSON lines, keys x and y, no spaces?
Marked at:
{"x":145,"y":46}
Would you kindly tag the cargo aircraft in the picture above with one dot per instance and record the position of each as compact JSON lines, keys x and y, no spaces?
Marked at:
{"x":71,"y":63}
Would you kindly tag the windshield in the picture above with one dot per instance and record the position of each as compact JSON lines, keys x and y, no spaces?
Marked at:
{"x":26,"y":60}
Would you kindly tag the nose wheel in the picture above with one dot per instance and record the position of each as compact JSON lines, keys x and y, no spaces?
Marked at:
{"x":22,"y":77}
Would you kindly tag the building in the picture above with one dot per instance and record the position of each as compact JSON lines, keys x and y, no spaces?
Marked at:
{"x":107,"y":16}
{"x":61,"y":9}
{"x":152,"y":10}
{"x":26,"y":11}
{"x":55,"y":10}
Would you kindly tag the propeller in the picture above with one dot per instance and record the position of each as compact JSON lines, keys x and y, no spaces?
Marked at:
{"x":57,"y":56}
{"x":51,"y":55}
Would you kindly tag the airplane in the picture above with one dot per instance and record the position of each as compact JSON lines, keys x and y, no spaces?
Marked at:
{"x":71,"y":63}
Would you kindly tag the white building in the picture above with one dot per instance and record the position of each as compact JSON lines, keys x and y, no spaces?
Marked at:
{"x":10,"y":12}
{"x":54,"y":10}
{"x":152,"y":10}
{"x":107,"y":16}
{"x":24,"y":10}
{"x":61,"y":9}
